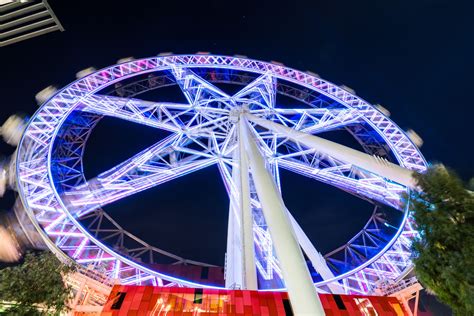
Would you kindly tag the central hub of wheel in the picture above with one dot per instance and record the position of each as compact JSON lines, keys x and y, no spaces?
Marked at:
{"x":237,"y":111}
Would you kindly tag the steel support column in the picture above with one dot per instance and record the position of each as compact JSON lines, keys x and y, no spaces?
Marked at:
{"x":234,"y":256}
{"x":316,"y":258}
{"x":299,"y":284}
{"x":343,"y":153}
{"x":248,"y":251}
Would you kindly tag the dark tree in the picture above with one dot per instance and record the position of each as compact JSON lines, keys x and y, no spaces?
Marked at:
{"x":444,"y":254}
{"x":36,"y":286}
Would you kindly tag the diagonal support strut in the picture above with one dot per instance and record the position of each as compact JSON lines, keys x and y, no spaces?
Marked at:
{"x":362,"y":160}
{"x":299,"y":284}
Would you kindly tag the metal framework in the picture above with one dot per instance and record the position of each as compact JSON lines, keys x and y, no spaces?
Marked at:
{"x":66,"y":207}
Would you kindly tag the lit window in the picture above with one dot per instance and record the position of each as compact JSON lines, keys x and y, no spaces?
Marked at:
{"x":365,"y":306}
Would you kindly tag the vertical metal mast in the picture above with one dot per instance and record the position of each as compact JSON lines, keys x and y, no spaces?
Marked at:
{"x":248,"y":253}
{"x":234,"y":257}
{"x":299,"y":284}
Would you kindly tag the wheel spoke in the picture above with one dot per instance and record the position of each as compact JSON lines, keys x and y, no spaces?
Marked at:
{"x":318,"y":120}
{"x":348,"y":178}
{"x":260,"y":92}
{"x":167,"y":116}
{"x":198,"y":91}
{"x":162,"y":162}
{"x":174,"y":117}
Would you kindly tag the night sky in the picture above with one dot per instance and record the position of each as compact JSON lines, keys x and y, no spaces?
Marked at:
{"x":413,"y":57}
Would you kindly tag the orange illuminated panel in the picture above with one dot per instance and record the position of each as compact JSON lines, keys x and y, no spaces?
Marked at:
{"x":175,"y":301}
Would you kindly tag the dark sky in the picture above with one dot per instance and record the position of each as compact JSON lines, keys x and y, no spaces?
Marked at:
{"x":413,"y":57}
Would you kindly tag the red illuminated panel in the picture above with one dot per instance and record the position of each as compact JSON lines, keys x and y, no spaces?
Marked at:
{"x":173,"y":301}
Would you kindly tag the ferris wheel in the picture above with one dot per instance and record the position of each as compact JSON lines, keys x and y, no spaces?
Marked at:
{"x":249,"y":135}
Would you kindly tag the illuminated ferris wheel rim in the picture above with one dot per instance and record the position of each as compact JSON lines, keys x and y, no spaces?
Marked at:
{"x":67,"y":99}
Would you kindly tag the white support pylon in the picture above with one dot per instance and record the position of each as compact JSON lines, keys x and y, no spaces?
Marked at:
{"x":317,"y":260}
{"x":233,"y":269}
{"x":248,"y":251}
{"x":234,"y":257}
{"x":343,"y":153}
{"x":302,"y":293}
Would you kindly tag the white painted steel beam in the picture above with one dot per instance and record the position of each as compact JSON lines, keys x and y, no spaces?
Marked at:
{"x":234,"y":257}
{"x":299,"y":284}
{"x":317,"y":260}
{"x":248,"y":251}
{"x":343,"y":153}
